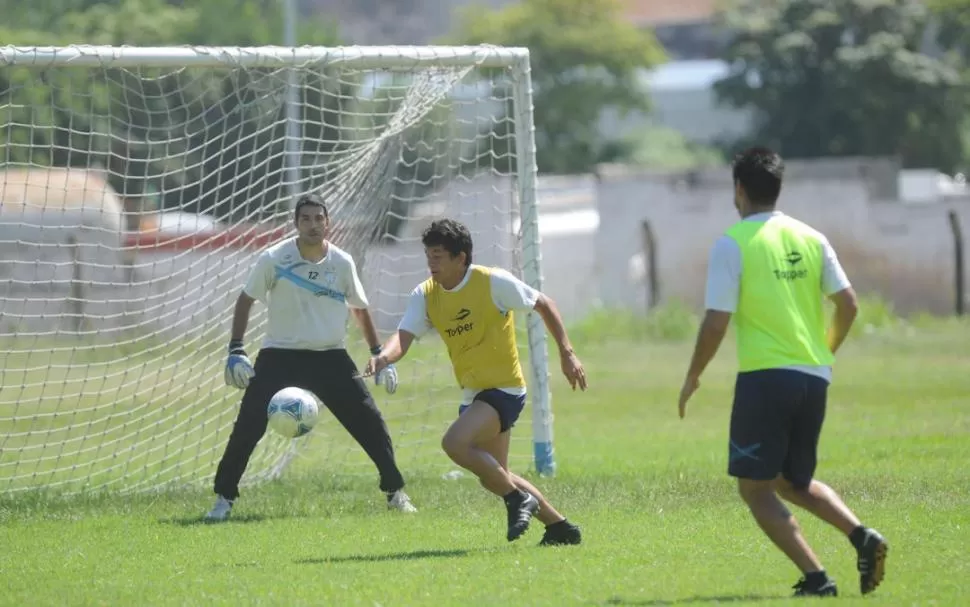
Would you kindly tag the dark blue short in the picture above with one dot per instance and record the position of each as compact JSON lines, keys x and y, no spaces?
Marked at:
{"x":508,"y":406}
{"x":776,"y":422}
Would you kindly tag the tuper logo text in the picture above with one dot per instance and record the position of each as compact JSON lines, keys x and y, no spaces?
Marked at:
{"x":793,"y":272}
{"x":464,"y":325}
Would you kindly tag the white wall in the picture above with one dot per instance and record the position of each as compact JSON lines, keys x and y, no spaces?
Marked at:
{"x":903,"y":253}
{"x":589,"y":233}
{"x":487,"y":206}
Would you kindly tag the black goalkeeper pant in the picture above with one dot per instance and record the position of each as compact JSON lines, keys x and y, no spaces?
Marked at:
{"x":333,"y":377}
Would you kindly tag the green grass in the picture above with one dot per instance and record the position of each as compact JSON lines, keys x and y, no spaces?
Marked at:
{"x":663,"y":524}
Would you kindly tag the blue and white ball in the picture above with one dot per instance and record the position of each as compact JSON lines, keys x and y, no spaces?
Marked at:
{"x":293,"y":412}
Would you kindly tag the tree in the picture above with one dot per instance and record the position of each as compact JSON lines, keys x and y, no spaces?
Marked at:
{"x":663,"y":148}
{"x":845,"y":77}
{"x":953,"y":19}
{"x":585,"y":58}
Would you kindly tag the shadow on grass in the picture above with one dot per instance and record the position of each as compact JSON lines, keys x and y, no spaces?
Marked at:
{"x":694,"y":600}
{"x":198,"y":520}
{"x":246,"y":565}
{"x":394,"y":556}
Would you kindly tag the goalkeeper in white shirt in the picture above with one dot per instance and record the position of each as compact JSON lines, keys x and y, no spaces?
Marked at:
{"x":310,"y":288}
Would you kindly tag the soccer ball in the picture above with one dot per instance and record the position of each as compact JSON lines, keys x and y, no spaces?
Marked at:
{"x":293,"y":412}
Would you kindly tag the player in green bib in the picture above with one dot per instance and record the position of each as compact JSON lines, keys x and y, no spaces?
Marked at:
{"x":771,"y":274}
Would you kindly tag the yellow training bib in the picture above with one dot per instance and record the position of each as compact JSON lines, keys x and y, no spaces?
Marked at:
{"x":480,"y":338}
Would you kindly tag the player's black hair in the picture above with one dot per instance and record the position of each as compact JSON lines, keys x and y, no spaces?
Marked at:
{"x":451,"y":235}
{"x":759,"y":171}
{"x":310,"y":200}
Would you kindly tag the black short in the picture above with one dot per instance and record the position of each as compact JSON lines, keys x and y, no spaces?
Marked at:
{"x":508,"y":406}
{"x":776,"y":422}
{"x":330,"y":374}
{"x":333,"y":377}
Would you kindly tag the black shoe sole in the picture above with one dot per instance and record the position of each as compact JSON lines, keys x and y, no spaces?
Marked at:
{"x":817,"y":595}
{"x":827,"y":590}
{"x":878,"y":568}
{"x":562,"y":541}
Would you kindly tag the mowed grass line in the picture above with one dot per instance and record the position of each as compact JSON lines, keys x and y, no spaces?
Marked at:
{"x":662,"y":521}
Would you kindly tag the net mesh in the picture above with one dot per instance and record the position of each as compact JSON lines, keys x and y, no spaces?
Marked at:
{"x":133,"y":201}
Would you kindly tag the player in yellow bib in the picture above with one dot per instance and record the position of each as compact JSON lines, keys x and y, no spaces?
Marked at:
{"x":472,"y":308}
{"x":771,"y":273}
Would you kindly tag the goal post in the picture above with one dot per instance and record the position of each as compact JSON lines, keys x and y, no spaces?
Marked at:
{"x":137,"y":186}
{"x":528,"y":170}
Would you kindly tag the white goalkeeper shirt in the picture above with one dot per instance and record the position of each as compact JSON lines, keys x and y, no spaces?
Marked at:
{"x":308,"y":303}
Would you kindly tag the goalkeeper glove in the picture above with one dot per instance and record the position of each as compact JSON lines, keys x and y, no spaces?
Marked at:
{"x":239,"y":369}
{"x":387,"y":376}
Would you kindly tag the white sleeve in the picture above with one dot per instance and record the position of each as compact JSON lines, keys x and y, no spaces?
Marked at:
{"x":834,"y":278}
{"x":356,"y":298}
{"x":723,"y":276}
{"x":415,"y":320}
{"x":510,"y":293}
{"x":260,"y":278}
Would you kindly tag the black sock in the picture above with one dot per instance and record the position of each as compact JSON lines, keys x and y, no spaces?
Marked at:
{"x":562,"y":523}
{"x":858,"y":536}
{"x":513,"y":497}
{"x":816,"y":579}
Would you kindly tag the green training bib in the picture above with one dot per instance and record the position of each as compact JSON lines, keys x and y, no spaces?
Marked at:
{"x":780,"y":318}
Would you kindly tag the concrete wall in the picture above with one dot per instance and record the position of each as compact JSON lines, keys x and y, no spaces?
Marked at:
{"x":172,"y":291}
{"x":590,"y":232}
{"x":97,"y":290}
{"x":902,"y":252}
{"x":487,"y":205}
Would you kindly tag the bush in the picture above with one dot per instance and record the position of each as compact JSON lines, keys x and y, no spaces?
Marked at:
{"x":875,"y":314}
{"x":676,"y":322}
{"x":669,"y":322}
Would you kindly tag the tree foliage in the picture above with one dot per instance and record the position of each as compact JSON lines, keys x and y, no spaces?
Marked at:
{"x":845,"y":77}
{"x":663,"y":148}
{"x":953,"y":21}
{"x":585,"y":57}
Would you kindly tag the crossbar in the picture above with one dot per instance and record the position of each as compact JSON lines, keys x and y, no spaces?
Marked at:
{"x":352,"y":57}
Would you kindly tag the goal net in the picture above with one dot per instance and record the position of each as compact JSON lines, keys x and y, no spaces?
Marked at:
{"x":139,"y":184}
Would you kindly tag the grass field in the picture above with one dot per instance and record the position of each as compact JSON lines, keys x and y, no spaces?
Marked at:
{"x":663,"y":524}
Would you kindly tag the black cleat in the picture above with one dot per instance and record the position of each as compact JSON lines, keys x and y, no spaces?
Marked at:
{"x":520,"y":515}
{"x":871,"y":561}
{"x":562,"y":533}
{"x":825,"y":588}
